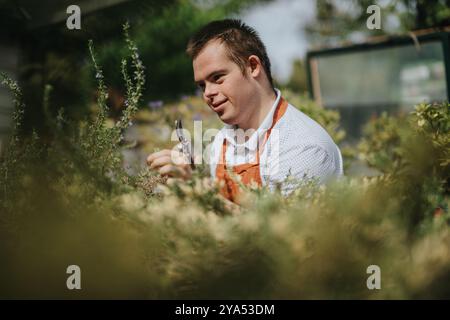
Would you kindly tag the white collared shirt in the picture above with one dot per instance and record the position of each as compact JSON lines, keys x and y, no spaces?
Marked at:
{"x":298,"y":149}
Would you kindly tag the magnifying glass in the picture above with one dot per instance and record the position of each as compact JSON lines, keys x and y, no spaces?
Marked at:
{"x":185,"y":147}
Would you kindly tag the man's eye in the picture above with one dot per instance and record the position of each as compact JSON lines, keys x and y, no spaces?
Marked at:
{"x":217,"y":77}
{"x":201,"y":87}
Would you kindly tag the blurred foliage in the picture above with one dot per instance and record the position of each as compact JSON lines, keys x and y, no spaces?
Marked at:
{"x":433,"y":121}
{"x":385,"y":137}
{"x":340,"y":20}
{"x":148,"y":237}
{"x":89,"y":147}
{"x":380,"y":145}
{"x":51,"y":54}
{"x":414,"y":152}
{"x":297,"y":81}
{"x":422,"y":14}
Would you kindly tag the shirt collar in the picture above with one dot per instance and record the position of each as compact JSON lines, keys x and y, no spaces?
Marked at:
{"x":232,"y":133}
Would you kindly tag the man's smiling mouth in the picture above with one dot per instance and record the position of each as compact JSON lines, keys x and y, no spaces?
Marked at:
{"x":217,"y":106}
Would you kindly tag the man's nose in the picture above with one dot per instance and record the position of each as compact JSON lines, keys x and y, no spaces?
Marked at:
{"x":210,"y":91}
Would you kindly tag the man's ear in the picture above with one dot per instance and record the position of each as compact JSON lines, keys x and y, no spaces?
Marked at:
{"x":254,"y":66}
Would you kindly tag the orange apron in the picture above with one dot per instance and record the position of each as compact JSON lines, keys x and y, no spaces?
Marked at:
{"x":249,"y":172}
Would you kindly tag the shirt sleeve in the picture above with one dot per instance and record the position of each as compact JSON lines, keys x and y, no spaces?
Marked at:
{"x":298,"y":165}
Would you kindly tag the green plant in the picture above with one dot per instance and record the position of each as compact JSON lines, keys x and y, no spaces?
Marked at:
{"x":413,"y":152}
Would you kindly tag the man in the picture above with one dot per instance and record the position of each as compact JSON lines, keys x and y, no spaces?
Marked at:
{"x":265,"y":140}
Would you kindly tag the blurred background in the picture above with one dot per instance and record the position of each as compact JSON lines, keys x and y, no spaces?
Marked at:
{"x":320,"y":50}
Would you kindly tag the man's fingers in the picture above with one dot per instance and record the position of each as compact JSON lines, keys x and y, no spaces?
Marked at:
{"x":158,"y":154}
{"x":177,"y":157}
{"x":161,"y":161}
{"x":169,"y":163}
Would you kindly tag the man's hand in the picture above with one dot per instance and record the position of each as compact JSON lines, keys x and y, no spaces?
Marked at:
{"x":170,"y":163}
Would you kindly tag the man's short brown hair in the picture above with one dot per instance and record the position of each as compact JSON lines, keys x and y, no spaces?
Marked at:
{"x":241,"y":41}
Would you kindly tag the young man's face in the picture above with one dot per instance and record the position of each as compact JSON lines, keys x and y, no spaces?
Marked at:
{"x":225,"y":89}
